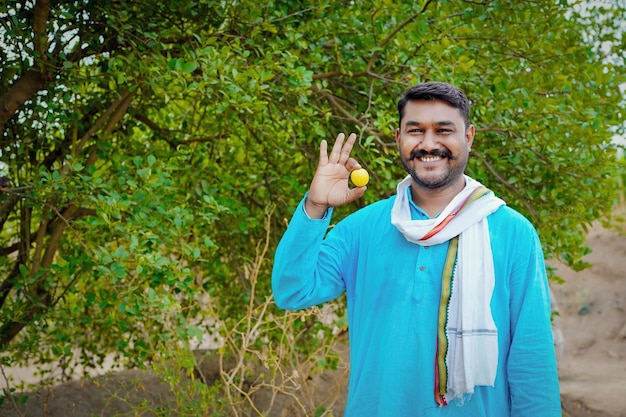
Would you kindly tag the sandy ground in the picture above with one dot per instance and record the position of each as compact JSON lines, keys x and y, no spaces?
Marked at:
{"x":592,"y":307}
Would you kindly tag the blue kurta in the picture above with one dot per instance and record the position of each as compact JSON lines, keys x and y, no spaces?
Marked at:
{"x":393,"y":289}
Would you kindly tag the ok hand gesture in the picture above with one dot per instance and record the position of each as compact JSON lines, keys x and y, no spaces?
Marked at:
{"x":329,"y":187}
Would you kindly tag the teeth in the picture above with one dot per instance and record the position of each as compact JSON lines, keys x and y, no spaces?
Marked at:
{"x":431,"y":158}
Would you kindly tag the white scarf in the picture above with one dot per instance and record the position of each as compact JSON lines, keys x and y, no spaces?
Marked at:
{"x":472,"y":355}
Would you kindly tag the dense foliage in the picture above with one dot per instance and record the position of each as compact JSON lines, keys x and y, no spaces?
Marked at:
{"x":152,"y":152}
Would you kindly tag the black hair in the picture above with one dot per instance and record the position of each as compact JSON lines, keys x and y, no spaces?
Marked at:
{"x":436,"y":91}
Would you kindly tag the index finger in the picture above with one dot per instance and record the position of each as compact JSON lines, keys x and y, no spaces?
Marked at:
{"x":341,"y":151}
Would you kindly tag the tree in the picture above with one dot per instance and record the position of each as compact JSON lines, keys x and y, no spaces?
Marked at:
{"x":145,"y":145}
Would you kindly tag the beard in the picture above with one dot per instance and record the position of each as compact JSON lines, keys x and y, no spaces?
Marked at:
{"x":454,"y":169}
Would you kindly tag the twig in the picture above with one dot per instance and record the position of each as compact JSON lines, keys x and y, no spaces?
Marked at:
{"x":8,"y":391}
{"x":508,"y":185}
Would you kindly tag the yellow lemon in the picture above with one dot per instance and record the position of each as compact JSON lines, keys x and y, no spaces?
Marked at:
{"x":359,"y":177}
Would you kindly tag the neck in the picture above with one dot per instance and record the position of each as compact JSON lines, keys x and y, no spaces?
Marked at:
{"x":433,"y":201}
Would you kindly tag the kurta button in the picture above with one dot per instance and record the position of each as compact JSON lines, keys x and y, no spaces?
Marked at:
{"x":426,"y":247}
{"x":422,"y":268}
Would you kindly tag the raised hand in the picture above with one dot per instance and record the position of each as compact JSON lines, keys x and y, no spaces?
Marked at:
{"x":329,"y":187}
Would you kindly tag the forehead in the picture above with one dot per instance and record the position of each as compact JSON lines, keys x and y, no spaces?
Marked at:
{"x":431,"y":111}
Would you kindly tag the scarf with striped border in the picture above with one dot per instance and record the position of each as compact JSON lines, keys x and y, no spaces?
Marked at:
{"x":466,"y":340}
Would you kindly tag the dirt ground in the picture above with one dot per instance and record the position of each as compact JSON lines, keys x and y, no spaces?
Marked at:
{"x":591,"y":329}
{"x":592,"y":307}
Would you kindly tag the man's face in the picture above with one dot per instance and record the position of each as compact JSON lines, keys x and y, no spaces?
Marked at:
{"x":433,"y":143}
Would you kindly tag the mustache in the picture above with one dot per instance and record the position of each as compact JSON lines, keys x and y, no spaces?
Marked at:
{"x":419,"y":153}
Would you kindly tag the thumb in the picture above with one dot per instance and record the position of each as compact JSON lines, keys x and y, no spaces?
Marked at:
{"x":356,"y":193}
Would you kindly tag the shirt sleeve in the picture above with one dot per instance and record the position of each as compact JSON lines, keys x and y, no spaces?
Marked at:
{"x":304,"y":274}
{"x":531,"y":365}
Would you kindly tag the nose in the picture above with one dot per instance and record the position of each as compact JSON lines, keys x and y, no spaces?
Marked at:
{"x":429,"y":141}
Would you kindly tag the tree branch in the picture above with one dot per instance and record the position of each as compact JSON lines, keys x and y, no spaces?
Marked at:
{"x":22,"y":91}
{"x":376,"y":54}
{"x":389,"y":37}
{"x":332,"y":100}
{"x":7,"y":207}
{"x":40,"y":22}
{"x":33,"y":80}
{"x":508,"y":185}
{"x":94,"y":128}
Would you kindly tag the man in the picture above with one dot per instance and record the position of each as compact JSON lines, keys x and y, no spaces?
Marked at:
{"x":447,"y":295}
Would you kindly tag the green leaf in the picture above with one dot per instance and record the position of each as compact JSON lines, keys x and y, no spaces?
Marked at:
{"x":188,"y":67}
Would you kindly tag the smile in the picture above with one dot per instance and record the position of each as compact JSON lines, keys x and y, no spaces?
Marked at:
{"x":431,"y":158}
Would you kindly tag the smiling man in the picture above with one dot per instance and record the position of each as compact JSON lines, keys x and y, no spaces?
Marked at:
{"x":447,"y":295}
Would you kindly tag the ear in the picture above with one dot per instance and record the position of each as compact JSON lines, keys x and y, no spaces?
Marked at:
{"x":469,"y":136}
{"x":398,"y":137}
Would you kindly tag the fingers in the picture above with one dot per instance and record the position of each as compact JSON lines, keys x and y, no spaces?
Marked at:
{"x":347,"y":148}
{"x":323,"y":153}
{"x":330,"y":185}
{"x":352,"y":164}
{"x":336,"y":151}
{"x":341,"y":151}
